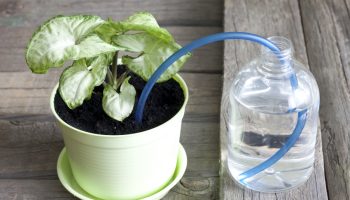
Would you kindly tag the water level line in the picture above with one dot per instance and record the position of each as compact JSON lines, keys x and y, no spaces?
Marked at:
{"x":302,"y":115}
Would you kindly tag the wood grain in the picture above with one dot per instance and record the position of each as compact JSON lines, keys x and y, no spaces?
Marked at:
{"x":32,"y":189}
{"x":180,"y":12}
{"x":206,"y":60}
{"x":52,"y":189}
{"x":327,"y":34}
{"x":266,"y":18}
{"x":195,"y":188}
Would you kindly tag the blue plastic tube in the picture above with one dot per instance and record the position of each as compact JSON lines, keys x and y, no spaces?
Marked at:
{"x":219,"y":37}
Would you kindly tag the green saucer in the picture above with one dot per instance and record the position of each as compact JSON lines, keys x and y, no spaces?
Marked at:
{"x":67,"y":179}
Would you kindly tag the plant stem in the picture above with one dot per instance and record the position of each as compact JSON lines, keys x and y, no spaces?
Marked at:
{"x":114,"y":72}
{"x":110,"y":78}
{"x":121,"y":79}
{"x":115,"y":65}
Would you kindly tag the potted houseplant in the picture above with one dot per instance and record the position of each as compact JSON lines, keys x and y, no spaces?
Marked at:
{"x":112,"y":156}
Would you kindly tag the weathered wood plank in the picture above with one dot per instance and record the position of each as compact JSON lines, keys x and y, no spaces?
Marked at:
{"x":195,"y":188}
{"x":207,"y":59}
{"x":25,"y":94}
{"x":52,"y":189}
{"x":327,"y":34}
{"x":265,"y":18}
{"x":179,"y":12}
{"x":32,"y":189}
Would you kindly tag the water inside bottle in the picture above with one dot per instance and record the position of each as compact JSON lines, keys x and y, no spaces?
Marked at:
{"x":254,"y":136}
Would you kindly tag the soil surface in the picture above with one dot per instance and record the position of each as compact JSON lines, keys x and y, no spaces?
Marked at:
{"x":163,"y":103}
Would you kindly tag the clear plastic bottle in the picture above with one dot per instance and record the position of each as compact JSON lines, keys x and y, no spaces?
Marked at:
{"x":261,"y":115}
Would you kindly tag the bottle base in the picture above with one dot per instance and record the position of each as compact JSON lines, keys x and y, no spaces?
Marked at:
{"x":266,"y":182}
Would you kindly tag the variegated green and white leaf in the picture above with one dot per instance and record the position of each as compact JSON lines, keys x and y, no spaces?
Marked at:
{"x":153,"y":53}
{"x":99,"y":67}
{"x":78,"y":81}
{"x":76,"y":84}
{"x":58,"y":40}
{"x":91,"y":46}
{"x":106,"y":31}
{"x":119,"y":105}
{"x":142,"y":21}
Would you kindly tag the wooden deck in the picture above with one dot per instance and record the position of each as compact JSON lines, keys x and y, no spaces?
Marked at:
{"x":320,"y":30}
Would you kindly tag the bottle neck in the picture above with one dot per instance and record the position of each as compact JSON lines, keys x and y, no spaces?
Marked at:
{"x":277,"y":64}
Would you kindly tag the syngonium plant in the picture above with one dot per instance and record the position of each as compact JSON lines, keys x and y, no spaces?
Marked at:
{"x":93,"y":45}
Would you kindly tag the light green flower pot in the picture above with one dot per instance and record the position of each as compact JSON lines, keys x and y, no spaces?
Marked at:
{"x":124,"y":166}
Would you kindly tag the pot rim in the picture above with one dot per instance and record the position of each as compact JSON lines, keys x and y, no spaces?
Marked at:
{"x":177,"y":78}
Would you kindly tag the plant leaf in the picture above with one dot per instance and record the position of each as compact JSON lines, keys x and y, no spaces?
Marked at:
{"x":119,"y":105}
{"x":99,"y":68}
{"x":153,"y":53}
{"x":141,"y":21}
{"x":106,"y":31}
{"x":56,"y":42}
{"x":91,"y":46}
{"x":78,"y":81}
{"x":76,"y":84}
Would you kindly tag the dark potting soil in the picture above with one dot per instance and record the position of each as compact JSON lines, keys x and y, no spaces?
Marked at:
{"x":164,"y":102}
